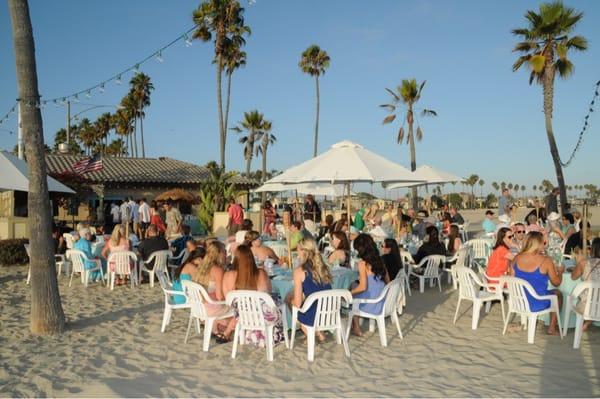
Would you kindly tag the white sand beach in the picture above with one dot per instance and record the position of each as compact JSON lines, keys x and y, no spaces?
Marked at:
{"x":113,"y":347}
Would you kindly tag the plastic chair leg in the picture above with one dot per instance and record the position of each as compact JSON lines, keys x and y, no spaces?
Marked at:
{"x":397,"y":321}
{"x":421,"y":284}
{"x":344,"y":341}
{"x":293,"y":333}
{"x":476,"y":311}
{"x":531,"y":329}
{"x":207,"y":333}
{"x":187,"y":333}
{"x":506,"y":322}
{"x":578,"y":331}
{"x":488,"y":306}
{"x":166,"y":318}
{"x":270,"y":343}
{"x":568,"y":309}
{"x":236,"y":333}
{"x":457,"y":309}
{"x":381,"y":328}
{"x":311,"y":343}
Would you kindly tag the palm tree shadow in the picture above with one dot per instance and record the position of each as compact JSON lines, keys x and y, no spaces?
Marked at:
{"x":83,"y":323}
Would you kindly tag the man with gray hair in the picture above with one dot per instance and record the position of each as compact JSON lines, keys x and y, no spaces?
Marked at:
{"x":83,"y":244}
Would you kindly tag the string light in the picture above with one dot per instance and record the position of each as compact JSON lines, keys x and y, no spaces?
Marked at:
{"x":136,"y":69}
{"x":188,"y":41}
{"x":88,"y":94}
{"x":584,"y":128}
{"x":101,"y":89}
{"x":118,"y":81}
{"x":159,"y":57}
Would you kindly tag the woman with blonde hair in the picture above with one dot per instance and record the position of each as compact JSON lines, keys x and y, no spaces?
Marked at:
{"x":533,"y":266}
{"x":260,"y":252}
{"x":311,"y":276}
{"x":117,"y":242}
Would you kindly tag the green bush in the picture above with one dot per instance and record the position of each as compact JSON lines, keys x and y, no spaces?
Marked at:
{"x":12,"y":252}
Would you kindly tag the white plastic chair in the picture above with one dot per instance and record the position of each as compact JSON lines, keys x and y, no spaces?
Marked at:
{"x":407,"y":261}
{"x":170,"y":305}
{"x":122,"y":265}
{"x":60,"y":261}
{"x":160,"y":259}
{"x":518,"y":303}
{"x":175,"y":261}
{"x":249,"y":306}
{"x":460,"y":258}
{"x":327,"y":317}
{"x":431,"y":271}
{"x":69,"y":241}
{"x":390,"y":294}
{"x":197,"y":296}
{"x":480,"y":251}
{"x":591,"y":310}
{"x":469,"y":288}
{"x":463,"y":230}
{"x":78,"y":259}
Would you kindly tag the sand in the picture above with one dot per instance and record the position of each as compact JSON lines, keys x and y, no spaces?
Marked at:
{"x":113,"y":347}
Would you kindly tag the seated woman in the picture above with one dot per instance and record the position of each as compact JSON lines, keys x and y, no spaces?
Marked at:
{"x":588,"y":270}
{"x":341,"y":250}
{"x":567,"y":227}
{"x":454,"y":241}
{"x":271,"y":231}
{"x":210,"y":276}
{"x":185,"y":272}
{"x":311,"y":276}
{"x":259,"y":251}
{"x":390,"y":254}
{"x":446,"y":223}
{"x":245,"y":275}
{"x":117,"y":242}
{"x":538,"y":269}
{"x":432,"y":246}
{"x":372,"y":278}
{"x":501,"y":256}
{"x":83,"y":244}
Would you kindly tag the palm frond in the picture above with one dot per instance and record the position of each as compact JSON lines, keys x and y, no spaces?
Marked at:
{"x":537,"y":63}
{"x":419,"y":133}
{"x":526,"y":46}
{"x":564,"y":67}
{"x":577,"y":43}
{"x":400,"y":135}
{"x":428,"y":112}
{"x":389,"y":119}
{"x":389,"y":107}
{"x":236,"y":129}
{"x":393,"y":94}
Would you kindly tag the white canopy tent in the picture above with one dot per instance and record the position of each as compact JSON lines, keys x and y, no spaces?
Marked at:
{"x":14,"y":175}
{"x":325,"y":189}
{"x":431,"y":176}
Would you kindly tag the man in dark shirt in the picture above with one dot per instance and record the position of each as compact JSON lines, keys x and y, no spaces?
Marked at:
{"x":456,"y":217}
{"x":551,"y":201}
{"x":312,"y":211}
{"x":575,"y":240}
{"x":152,"y":244}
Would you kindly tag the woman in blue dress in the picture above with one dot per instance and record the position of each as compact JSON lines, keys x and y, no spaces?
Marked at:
{"x":311,"y":276}
{"x":185,"y":272}
{"x":372,"y":278}
{"x":533,"y":266}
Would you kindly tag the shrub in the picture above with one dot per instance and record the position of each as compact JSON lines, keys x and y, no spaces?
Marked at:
{"x":12,"y":252}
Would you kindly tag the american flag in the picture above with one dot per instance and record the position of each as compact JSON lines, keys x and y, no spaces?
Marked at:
{"x":88,"y":164}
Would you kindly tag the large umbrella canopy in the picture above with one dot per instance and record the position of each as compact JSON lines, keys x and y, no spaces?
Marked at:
{"x":14,"y":175}
{"x":431,"y":176}
{"x":347,"y":162}
{"x":177,"y":194}
{"x":330,"y":190}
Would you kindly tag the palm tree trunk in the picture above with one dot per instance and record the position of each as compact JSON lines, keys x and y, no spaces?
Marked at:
{"x":47,"y":315}
{"x":317,"y":118}
{"x":135,"y":147}
{"x":142,"y":131}
{"x":548,"y":85}
{"x":413,"y":156}
{"x":223,"y":137}
{"x":263,"y":196}
{"x":227,"y":101}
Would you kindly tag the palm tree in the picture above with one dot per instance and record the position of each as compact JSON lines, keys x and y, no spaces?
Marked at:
{"x":471,"y":181}
{"x":116,"y":148}
{"x":502,"y":185}
{"x":235,"y":58}
{"x":481,"y":183}
{"x":129,"y":107}
{"x":315,"y":61}
{"x":123,"y":127}
{"x":545,"y":45}
{"x":103,"y":125}
{"x":46,"y":316}
{"x":223,"y":19}
{"x":407,"y":94}
{"x":254,"y":124}
{"x":496,"y":186}
{"x":267,"y":139}
{"x":141,"y":87}
{"x":87,"y":135}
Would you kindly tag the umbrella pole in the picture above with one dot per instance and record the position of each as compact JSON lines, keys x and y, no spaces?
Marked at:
{"x":584,"y":231}
{"x":286,"y":224}
{"x":348,"y":205}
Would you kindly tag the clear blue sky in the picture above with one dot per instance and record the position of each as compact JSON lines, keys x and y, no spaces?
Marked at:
{"x":490,"y":120}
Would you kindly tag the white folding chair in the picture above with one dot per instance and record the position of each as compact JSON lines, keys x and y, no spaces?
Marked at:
{"x":175,"y":261}
{"x":197,"y":296}
{"x":29,"y":267}
{"x":480,"y":251}
{"x":469,"y":288}
{"x":249,"y":305}
{"x":463,"y":230}
{"x":69,"y":241}
{"x":160,"y":259}
{"x":121,"y":264}
{"x":591,"y":309}
{"x":460,"y":258}
{"x":518,"y":303}
{"x":407,"y":261}
{"x":431,"y":270}
{"x":390,"y":294}
{"x":327,"y":317}
{"x":78,"y":260}
{"x":170,"y":304}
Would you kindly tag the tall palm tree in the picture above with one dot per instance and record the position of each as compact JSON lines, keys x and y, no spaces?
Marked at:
{"x":496,"y":186}
{"x":46,"y":316}
{"x":87,"y":135}
{"x":223,"y":20}
{"x":254,"y":125}
{"x":314,"y":61}
{"x":116,"y":148}
{"x":123,"y":127}
{"x":141,"y":87}
{"x":267,"y":139}
{"x":103,"y":125}
{"x":545,"y":45}
{"x":407,"y":94}
{"x":129,"y":106}
{"x":471,"y":181}
{"x":235,"y":58}
{"x":481,"y":183}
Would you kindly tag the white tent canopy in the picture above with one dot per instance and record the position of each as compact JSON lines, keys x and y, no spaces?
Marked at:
{"x":14,"y":175}
{"x":347,"y":162}
{"x":326,"y":189}
{"x":431,"y":176}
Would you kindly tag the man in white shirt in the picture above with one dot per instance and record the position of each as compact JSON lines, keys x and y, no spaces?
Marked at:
{"x":135,"y":216}
{"x":144,"y":212}
{"x":125,"y":213}
{"x":114,"y":211}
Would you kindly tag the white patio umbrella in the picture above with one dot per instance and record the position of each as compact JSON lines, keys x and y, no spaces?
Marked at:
{"x":325,"y":189}
{"x":14,"y":175}
{"x":347,"y":162}
{"x":431,"y":176}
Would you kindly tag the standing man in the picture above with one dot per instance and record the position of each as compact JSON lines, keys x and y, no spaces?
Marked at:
{"x":236,"y":217}
{"x":312,"y":211}
{"x":115,"y":216}
{"x":173,"y":219}
{"x":135,"y":217}
{"x":125,"y":211}
{"x":503,"y":203}
{"x":551,"y":201}
{"x":144,"y":212}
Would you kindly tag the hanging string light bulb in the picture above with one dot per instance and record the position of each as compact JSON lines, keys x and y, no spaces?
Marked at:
{"x":118,"y":81}
{"x":159,"y":57}
{"x":88,"y":94}
{"x":101,"y":89}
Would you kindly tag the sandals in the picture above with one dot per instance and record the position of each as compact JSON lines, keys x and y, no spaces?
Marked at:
{"x":222,"y":339}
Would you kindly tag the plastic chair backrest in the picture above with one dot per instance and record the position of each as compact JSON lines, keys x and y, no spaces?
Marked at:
{"x":391,"y":300}
{"x":592,"y":303}
{"x":77,"y":259}
{"x":68,"y":240}
{"x":196,"y":296}
{"x":517,"y":298}
{"x":160,"y":260}
{"x":406,"y":257}
{"x":121,"y":260}
{"x":27,"y":250}
{"x":249,"y":305}
{"x":163,"y":279}
{"x":462,"y":258}
{"x":329,"y":304}
{"x":433,"y":264}
{"x":480,"y":249}
{"x":466,"y":282}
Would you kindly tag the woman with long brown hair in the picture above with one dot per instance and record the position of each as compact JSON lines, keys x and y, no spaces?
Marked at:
{"x":341,"y":250}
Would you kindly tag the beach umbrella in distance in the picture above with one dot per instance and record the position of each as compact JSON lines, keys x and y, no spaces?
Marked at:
{"x":324,"y":189}
{"x":431,"y":175}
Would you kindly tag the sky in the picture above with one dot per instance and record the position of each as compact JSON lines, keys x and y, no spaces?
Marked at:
{"x":490,"y":121}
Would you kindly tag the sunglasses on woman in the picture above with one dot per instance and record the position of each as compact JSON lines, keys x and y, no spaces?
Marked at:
{"x":509,"y":236}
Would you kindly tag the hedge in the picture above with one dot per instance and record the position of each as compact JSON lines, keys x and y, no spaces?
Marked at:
{"x":12,"y":252}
